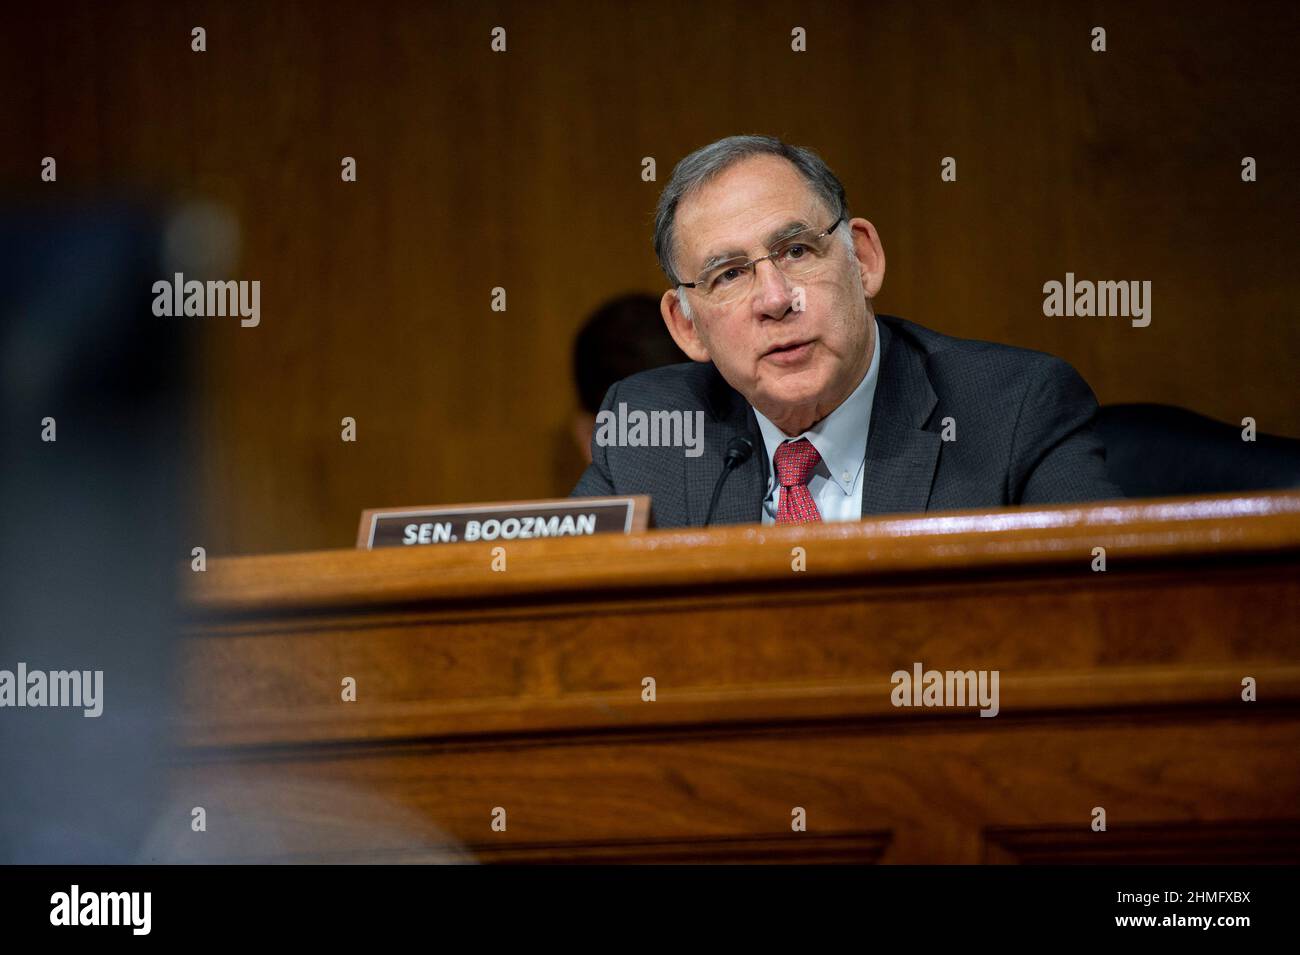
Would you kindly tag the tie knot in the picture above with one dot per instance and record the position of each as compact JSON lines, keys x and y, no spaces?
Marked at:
{"x":795,"y":462}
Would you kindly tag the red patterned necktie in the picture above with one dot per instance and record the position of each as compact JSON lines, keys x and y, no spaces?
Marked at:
{"x":795,"y":462}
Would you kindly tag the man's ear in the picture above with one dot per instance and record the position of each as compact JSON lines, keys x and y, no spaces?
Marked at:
{"x":683,"y":329}
{"x":870,"y":255}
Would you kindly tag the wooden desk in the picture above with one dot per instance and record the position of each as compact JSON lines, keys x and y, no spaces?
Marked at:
{"x":522,"y":689}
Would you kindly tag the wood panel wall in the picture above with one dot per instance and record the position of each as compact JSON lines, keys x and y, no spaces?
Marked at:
{"x":522,"y":170}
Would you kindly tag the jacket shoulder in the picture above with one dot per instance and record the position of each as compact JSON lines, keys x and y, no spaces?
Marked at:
{"x":688,"y":385}
{"x":972,"y":361}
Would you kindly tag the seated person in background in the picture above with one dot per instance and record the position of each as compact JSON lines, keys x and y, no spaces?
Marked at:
{"x":847,"y":414}
{"x":621,"y":337}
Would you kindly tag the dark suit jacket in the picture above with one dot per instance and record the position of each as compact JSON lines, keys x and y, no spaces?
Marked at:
{"x":1024,"y":434}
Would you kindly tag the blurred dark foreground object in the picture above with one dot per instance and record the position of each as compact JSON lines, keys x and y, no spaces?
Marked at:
{"x":1163,"y":451}
{"x":93,"y":541}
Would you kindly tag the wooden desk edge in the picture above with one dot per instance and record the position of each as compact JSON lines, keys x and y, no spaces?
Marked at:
{"x":1161,"y":529}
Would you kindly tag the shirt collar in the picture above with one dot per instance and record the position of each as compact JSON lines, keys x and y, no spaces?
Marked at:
{"x":841,"y":437}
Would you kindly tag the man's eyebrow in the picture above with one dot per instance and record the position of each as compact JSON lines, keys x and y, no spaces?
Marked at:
{"x":793,"y":227}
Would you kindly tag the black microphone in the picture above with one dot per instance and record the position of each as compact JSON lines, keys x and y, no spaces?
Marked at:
{"x":738,"y":452}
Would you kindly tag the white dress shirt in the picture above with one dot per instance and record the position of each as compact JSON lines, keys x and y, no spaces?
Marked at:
{"x":841,"y":440}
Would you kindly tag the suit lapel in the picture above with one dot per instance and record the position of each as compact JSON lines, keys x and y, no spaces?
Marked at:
{"x":742,"y":496}
{"x":901,"y":457}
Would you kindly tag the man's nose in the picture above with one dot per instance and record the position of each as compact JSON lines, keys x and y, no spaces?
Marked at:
{"x":773,"y":293}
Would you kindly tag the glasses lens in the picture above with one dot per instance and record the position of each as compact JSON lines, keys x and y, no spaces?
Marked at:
{"x":726,"y":283}
{"x":798,"y":256}
{"x":803,"y":254}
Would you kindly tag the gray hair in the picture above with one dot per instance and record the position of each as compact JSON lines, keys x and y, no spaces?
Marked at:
{"x":709,"y":161}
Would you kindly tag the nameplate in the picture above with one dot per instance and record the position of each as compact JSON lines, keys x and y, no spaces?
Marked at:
{"x":505,"y":521}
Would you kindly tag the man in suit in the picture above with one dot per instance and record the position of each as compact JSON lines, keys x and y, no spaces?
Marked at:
{"x":847,"y":413}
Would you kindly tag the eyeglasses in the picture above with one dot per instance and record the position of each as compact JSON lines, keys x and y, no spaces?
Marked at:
{"x":799,"y":256}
